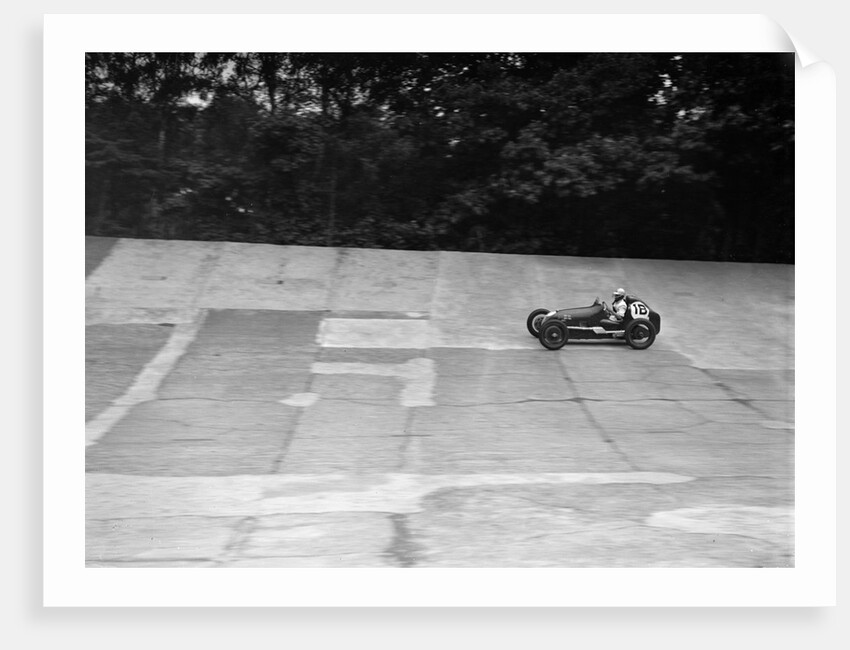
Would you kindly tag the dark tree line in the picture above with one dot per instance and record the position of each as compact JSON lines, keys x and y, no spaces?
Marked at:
{"x":685,"y":156}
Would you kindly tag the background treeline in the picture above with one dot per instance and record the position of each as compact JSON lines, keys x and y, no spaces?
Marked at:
{"x":685,"y":156}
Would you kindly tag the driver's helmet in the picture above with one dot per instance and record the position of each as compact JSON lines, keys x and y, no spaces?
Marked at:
{"x":619,"y":294}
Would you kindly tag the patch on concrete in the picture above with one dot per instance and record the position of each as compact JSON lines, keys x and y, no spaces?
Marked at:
{"x":374,"y":333}
{"x":417,"y":375}
{"x":131,"y":497}
{"x":301,"y":399}
{"x":725,"y":519}
{"x":377,"y":315}
{"x":361,"y":537}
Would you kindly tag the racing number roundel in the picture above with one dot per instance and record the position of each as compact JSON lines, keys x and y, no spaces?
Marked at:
{"x":639,"y":310}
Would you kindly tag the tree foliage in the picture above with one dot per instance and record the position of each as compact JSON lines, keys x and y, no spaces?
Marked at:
{"x":685,"y":156}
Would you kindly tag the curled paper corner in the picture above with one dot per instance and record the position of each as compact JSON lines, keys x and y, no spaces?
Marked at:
{"x":804,"y":55}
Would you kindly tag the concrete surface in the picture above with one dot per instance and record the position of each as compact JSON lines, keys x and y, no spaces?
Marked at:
{"x":263,"y":406}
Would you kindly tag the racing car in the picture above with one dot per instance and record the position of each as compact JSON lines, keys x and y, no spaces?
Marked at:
{"x":638,"y":328}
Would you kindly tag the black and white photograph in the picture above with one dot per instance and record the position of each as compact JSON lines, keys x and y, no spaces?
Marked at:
{"x":439,"y":309}
{"x":505,"y":322}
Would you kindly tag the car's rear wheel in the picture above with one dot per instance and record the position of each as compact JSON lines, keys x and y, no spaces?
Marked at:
{"x":553,"y":335}
{"x":534,"y":320}
{"x":640,"y":334}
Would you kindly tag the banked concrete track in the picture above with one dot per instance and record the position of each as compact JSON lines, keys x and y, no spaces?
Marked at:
{"x":268,"y":406}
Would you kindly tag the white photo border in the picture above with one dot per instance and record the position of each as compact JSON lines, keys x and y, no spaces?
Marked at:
{"x":66,"y":580}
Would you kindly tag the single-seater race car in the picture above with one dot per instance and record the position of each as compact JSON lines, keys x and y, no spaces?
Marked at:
{"x":638,"y":328}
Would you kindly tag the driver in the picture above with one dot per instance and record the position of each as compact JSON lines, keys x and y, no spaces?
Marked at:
{"x":618,"y":305}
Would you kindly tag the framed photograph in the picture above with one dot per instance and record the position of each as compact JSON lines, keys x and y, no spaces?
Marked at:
{"x":436,"y":310}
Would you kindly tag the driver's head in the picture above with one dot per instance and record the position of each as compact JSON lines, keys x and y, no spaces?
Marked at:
{"x":618,"y":294}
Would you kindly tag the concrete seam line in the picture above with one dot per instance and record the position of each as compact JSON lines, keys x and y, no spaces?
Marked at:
{"x":146,"y":384}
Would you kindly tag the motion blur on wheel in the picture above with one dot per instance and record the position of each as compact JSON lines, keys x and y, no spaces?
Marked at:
{"x":637,"y":325}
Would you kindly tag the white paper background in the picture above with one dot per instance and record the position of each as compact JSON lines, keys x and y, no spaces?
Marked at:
{"x":815,"y":31}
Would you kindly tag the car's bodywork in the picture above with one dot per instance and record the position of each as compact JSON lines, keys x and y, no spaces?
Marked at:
{"x":638,"y":328}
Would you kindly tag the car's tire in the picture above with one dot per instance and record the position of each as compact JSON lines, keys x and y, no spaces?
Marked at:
{"x":640,"y":334}
{"x":533,"y":321}
{"x":553,"y":335}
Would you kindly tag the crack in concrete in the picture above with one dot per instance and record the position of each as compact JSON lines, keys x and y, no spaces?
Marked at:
{"x":606,"y":437}
{"x":222,"y":430}
{"x":735,"y":395}
{"x":576,"y":400}
{"x":747,"y":402}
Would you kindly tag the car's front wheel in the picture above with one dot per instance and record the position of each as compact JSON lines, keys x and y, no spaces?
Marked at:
{"x":534,"y":320}
{"x":640,"y":334}
{"x":553,"y":335}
